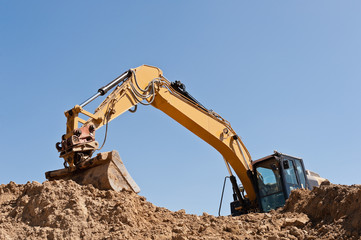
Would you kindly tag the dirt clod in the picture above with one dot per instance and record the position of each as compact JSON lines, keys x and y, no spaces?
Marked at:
{"x":66,"y":210}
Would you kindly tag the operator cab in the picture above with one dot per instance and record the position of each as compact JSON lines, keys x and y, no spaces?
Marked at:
{"x":275,"y":176}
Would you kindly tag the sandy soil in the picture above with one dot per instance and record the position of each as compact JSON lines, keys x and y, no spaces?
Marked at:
{"x":66,"y":210}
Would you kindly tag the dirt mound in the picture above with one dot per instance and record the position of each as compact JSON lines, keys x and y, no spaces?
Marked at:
{"x":337,"y":206}
{"x":66,"y":210}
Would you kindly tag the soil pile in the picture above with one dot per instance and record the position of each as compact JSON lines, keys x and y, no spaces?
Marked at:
{"x":332,"y":208}
{"x":66,"y":210}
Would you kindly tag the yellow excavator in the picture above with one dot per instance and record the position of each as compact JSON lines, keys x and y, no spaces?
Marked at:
{"x":266,"y":183}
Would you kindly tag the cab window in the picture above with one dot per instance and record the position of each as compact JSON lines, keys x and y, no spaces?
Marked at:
{"x":301,"y":173}
{"x":269,"y":185}
{"x":290,"y":175}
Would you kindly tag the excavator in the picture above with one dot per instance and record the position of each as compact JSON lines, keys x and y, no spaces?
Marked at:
{"x":266,"y":182}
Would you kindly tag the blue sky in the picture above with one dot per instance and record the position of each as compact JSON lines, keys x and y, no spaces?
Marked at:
{"x":285,"y":74}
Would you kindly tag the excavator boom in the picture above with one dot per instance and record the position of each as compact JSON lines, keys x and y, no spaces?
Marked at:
{"x":147,"y":85}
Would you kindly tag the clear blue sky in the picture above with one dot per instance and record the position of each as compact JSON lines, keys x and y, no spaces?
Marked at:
{"x":286,"y":74}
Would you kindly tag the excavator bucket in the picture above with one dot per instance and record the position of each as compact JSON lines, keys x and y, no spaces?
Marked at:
{"x":105,"y":171}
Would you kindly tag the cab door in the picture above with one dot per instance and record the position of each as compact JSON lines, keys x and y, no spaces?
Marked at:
{"x":293,"y":174}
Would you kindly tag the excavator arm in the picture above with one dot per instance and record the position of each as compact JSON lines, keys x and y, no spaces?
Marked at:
{"x":147,"y":85}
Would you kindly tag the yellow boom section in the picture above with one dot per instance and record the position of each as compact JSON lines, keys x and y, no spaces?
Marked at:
{"x":146,"y":85}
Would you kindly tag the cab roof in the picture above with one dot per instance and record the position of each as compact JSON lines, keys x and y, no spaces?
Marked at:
{"x":275,"y":154}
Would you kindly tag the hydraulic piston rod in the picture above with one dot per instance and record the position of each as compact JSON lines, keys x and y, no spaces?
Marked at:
{"x":106,"y":88}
